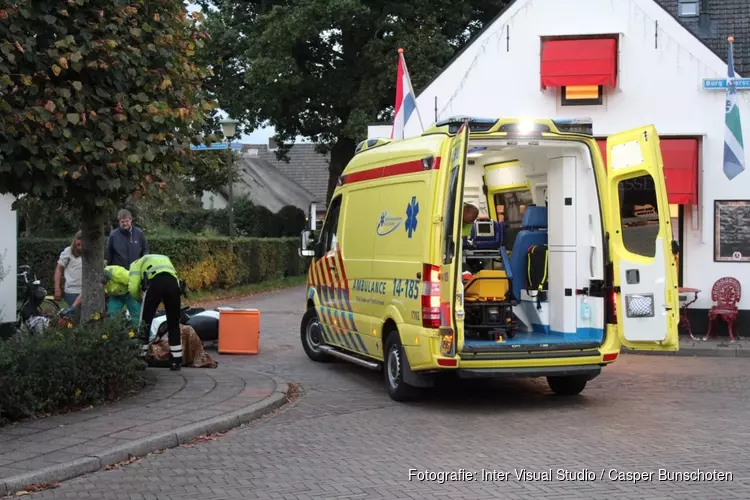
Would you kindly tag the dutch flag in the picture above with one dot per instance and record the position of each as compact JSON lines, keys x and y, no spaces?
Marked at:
{"x":734,"y":150}
{"x":406,"y":103}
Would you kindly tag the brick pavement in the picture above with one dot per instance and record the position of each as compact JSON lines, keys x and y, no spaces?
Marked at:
{"x":346,"y":439}
{"x":174,"y":408}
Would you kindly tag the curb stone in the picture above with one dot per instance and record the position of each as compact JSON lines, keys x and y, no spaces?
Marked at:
{"x":144,"y":446}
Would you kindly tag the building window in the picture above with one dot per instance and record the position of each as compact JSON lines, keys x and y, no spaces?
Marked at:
{"x":582,"y":95}
{"x":688,"y":8}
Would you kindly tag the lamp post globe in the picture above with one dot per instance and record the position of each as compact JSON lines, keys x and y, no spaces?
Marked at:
{"x":229,"y":128}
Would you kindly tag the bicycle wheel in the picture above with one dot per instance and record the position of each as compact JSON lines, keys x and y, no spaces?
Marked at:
{"x":49,"y":308}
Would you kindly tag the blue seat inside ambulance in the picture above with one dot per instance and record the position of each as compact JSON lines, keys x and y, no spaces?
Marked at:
{"x":533,"y":232}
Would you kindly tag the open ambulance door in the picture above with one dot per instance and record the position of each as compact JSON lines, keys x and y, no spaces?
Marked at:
{"x":451,"y":296}
{"x":640,"y":242}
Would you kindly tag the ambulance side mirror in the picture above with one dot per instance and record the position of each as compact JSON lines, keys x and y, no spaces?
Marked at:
{"x":307,"y":243}
{"x":675,"y":247}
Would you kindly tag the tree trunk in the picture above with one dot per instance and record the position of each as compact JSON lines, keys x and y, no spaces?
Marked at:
{"x":341,"y":153}
{"x":92,"y":225}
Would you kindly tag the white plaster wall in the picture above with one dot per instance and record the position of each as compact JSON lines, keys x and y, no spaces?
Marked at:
{"x":660,"y":86}
{"x":8,"y":252}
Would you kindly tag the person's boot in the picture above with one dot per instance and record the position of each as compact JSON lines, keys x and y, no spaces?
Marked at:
{"x":175,"y":364}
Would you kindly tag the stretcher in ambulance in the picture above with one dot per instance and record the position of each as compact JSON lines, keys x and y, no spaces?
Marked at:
{"x":568,"y":260}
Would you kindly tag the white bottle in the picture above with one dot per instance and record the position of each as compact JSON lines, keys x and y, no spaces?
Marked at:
{"x":585,"y":309}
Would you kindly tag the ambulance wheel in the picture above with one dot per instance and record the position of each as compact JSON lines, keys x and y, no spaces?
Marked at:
{"x":567,"y":386}
{"x":312,"y":337}
{"x":393,"y":369}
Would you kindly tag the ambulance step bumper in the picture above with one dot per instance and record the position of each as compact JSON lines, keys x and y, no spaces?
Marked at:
{"x":348,"y":357}
{"x":591,"y":371}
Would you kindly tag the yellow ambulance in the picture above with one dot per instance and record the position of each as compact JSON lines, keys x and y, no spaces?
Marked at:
{"x":492,"y":248}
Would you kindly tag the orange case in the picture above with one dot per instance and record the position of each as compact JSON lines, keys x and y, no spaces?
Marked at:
{"x":239,"y":331}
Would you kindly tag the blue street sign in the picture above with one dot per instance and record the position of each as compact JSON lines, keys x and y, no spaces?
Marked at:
{"x":236,"y":146}
{"x":721,"y":83}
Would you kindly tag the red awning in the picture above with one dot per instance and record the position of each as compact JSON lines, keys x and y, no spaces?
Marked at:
{"x":680,"y":158}
{"x":579,"y":62}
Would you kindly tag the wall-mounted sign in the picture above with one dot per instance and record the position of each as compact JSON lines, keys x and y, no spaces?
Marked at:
{"x":721,"y":83}
{"x":732,"y":231}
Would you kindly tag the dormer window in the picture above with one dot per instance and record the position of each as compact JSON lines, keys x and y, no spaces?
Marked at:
{"x":688,"y":8}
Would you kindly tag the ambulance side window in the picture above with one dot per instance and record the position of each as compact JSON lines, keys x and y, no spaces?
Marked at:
{"x":328,"y":237}
{"x":450,"y":243}
{"x":639,"y":215}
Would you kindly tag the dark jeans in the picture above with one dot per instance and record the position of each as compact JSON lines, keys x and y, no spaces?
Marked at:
{"x":70,"y":298}
{"x":163,"y":288}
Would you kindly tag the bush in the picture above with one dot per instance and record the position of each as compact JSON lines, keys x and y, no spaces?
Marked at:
{"x":67,"y":368}
{"x":205,"y":263}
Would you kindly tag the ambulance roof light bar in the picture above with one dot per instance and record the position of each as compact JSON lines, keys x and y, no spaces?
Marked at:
{"x":575,"y":125}
{"x":523,"y":126}
{"x":476,"y":124}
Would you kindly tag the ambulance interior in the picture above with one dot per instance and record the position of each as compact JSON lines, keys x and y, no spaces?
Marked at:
{"x":538,"y":200}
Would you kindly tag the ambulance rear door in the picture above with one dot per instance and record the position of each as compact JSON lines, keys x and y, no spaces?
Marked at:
{"x":640,"y":242}
{"x":451,"y":298}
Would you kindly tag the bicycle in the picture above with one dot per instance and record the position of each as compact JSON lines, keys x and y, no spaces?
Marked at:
{"x":37,"y":309}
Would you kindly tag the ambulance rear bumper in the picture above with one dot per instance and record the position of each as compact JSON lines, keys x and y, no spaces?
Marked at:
{"x":588,"y":371}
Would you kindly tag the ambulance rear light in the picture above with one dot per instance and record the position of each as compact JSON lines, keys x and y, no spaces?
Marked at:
{"x":613,"y":314}
{"x":430,"y":296}
{"x":608,"y":358}
{"x":524,"y":128}
{"x":447,"y":343}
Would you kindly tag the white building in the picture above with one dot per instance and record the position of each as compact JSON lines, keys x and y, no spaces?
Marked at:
{"x":622,"y":63}
{"x":8,"y":252}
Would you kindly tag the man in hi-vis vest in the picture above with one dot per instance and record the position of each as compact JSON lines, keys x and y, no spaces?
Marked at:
{"x":157,"y":276}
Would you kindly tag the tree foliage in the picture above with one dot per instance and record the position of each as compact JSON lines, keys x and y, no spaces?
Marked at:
{"x":98,"y":101}
{"x":324,"y":69}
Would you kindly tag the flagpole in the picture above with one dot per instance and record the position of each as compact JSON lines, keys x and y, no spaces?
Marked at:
{"x":408,"y":78}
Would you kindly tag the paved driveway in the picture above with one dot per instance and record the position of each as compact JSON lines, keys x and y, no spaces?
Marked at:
{"x":346,"y":439}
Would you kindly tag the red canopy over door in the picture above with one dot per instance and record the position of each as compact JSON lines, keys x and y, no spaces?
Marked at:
{"x":680,"y":157}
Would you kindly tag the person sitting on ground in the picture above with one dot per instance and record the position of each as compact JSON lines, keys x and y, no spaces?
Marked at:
{"x":193,"y":354}
{"x":116,"y":281}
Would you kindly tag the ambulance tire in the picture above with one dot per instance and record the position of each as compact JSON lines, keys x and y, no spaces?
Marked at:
{"x":393,"y":369}
{"x":567,"y":386}
{"x":312,"y":339}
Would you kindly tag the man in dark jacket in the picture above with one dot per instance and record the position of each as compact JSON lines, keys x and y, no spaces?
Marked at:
{"x":126,"y":244}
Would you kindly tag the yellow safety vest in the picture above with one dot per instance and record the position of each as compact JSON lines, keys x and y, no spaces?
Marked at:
{"x":147,"y":267}
{"x":118,"y":280}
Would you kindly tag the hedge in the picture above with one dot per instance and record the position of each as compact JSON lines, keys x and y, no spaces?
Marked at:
{"x":67,"y":367}
{"x":204,"y":263}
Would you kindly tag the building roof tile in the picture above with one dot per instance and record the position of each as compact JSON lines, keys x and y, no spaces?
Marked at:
{"x":720,"y":19}
{"x":306,"y":167}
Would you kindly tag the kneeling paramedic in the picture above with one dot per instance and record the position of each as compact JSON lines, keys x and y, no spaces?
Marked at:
{"x":156,"y":275}
{"x":116,"y":283}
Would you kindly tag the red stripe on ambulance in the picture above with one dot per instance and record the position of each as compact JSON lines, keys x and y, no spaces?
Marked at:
{"x":407,"y":167}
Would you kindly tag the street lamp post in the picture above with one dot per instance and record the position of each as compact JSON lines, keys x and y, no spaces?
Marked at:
{"x":229,"y":129}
